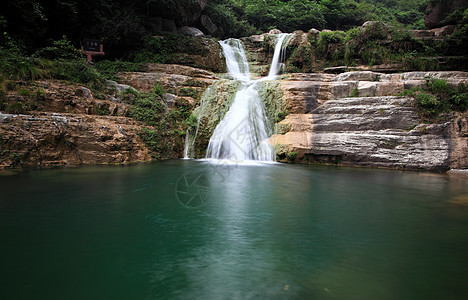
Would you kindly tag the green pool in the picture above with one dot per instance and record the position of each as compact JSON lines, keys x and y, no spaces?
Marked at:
{"x":200,"y":230}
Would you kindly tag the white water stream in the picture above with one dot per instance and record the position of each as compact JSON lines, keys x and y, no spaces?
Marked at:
{"x":243,"y":133}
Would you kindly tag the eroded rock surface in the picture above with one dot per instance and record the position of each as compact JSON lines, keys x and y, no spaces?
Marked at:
{"x":53,"y":139}
{"x":374,"y":129}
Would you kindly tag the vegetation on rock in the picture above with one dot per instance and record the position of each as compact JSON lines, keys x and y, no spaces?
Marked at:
{"x":438,"y":97}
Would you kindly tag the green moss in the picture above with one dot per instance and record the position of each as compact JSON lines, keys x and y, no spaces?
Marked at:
{"x":302,"y":59}
{"x":272,"y":95}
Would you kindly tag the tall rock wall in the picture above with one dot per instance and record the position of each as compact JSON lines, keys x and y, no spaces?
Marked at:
{"x":374,"y":128}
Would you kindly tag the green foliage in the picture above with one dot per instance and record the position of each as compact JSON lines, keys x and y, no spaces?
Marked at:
{"x":291,"y":156}
{"x":194,"y":82}
{"x":109,"y":69}
{"x":191,"y":121}
{"x":158,"y":89}
{"x":438,"y":86}
{"x":429,"y":104}
{"x":39,"y":94}
{"x":60,"y":49}
{"x":154,"y":50}
{"x":78,"y":71}
{"x":189,"y":92}
{"x":16,"y":107}
{"x":329,"y":37}
{"x":156,"y":141}
{"x":14,"y":65}
{"x":148,"y":109}
{"x":102,"y":109}
{"x":243,"y":18}
{"x":24,"y":92}
{"x":281,"y":116}
{"x":437,"y":98}
{"x":354,"y":92}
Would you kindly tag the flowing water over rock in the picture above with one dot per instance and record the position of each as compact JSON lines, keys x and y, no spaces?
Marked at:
{"x":279,"y":55}
{"x":243,"y":132}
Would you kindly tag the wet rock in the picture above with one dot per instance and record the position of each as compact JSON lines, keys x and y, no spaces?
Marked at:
{"x":191,"y":31}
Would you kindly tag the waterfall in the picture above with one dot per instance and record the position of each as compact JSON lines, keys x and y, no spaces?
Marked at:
{"x":243,"y":132}
{"x":278,"y":55}
{"x":236,"y":60}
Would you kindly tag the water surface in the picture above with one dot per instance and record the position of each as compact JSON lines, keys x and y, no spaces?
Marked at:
{"x":264,"y":231}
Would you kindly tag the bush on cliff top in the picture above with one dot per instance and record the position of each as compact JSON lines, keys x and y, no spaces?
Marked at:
{"x":438,"y":97}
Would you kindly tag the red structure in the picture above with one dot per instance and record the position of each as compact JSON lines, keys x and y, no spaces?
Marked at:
{"x":92,"y":47}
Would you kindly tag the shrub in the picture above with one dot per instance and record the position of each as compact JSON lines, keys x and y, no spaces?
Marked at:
{"x":430,"y":106}
{"x":60,"y":49}
{"x":39,"y":94}
{"x":189,"y":92}
{"x":438,"y":86}
{"x":17,"y":67}
{"x":191,"y":121}
{"x":156,"y":141}
{"x":459,"y":101}
{"x":78,"y":71}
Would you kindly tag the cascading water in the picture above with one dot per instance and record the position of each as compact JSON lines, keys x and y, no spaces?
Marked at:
{"x":278,"y":56}
{"x":244,"y":131}
{"x":236,"y":60}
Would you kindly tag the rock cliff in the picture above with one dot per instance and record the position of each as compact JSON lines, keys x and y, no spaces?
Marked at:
{"x":54,"y":123}
{"x":374,"y":128}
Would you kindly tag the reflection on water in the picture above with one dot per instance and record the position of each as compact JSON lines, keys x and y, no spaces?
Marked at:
{"x":266,"y":231}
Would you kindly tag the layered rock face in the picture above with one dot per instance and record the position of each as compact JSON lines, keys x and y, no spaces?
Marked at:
{"x":371,"y":129}
{"x":65,"y":125}
{"x":53,"y":139}
{"x":66,"y":128}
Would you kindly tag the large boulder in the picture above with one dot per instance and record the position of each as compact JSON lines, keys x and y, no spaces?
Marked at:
{"x":208,"y":25}
{"x":437,"y":12}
